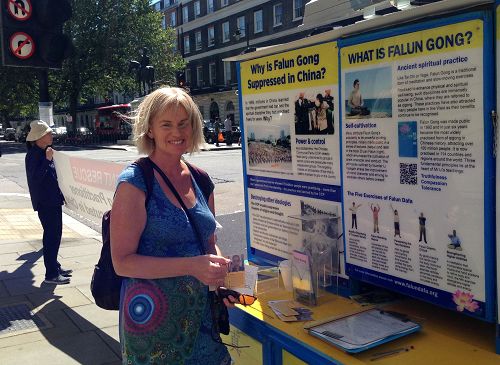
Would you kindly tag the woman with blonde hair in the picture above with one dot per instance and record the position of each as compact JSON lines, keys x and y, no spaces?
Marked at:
{"x":165,"y":315}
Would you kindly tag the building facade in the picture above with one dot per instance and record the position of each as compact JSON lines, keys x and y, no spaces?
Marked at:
{"x":210,"y":31}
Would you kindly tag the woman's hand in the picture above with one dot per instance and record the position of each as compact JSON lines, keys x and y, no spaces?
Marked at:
{"x":229,"y":301}
{"x":49,"y":153}
{"x":210,"y":269}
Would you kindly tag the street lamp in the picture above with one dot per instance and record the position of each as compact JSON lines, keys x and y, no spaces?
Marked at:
{"x":238,"y":34}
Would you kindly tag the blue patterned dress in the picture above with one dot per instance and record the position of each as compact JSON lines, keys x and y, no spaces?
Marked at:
{"x":168,"y":321}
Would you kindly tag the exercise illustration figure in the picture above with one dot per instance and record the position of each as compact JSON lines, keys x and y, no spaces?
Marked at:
{"x":355,"y":101}
{"x":396,"y":222}
{"x":354,"y":210}
{"x":455,"y":241}
{"x":421,"y":223}
{"x":375,"y":210}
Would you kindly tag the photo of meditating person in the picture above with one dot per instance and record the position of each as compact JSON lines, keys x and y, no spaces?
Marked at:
{"x":455,"y":244}
{"x":355,"y":101}
{"x":368,"y":94}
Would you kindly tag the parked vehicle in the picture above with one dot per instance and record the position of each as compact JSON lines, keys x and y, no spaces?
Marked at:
{"x":59,"y":134}
{"x":22,"y":133}
{"x":209,"y":131}
{"x":10,"y":134}
{"x":211,"y":137}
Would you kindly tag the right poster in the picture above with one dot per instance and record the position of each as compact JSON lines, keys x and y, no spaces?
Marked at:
{"x":413,"y":163}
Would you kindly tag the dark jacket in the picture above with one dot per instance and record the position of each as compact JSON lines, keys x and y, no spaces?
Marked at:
{"x":42,"y":179}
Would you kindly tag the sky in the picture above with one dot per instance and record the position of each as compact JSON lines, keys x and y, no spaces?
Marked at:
{"x":375,"y":83}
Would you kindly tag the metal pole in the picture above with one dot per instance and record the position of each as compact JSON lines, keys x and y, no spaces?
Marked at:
{"x":45,"y":111}
{"x":43,"y":80}
{"x":247,"y":34}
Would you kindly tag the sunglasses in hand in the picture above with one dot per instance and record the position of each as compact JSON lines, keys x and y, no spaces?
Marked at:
{"x":243,"y":299}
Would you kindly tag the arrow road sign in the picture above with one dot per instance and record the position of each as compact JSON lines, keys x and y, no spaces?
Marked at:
{"x":22,"y":45}
{"x":20,"y":9}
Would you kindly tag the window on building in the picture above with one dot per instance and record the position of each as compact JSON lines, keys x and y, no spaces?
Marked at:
{"x":198,"y":40}
{"x":187,"y":46}
{"x":157,"y":6}
{"x":211,"y":36}
{"x":241,"y":24}
{"x":197,"y":9}
{"x":278,"y":14}
{"x":298,"y":9}
{"x":199,"y":76}
{"x":185,"y":14}
{"x":224,"y":3}
{"x":258,"y":21}
{"x":212,"y":73}
{"x":210,"y":6}
{"x":225,"y":32}
{"x":173,"y":19}
{"x":188,"y":76}
{"x":164,"y":22}
{"x":227,"y":72}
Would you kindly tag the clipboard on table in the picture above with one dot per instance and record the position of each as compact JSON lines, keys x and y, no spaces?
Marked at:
{"x":363,"y":330}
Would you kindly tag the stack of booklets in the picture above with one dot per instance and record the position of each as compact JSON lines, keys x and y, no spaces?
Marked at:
{"x":363,"y":330}
{"x":290,"y":311}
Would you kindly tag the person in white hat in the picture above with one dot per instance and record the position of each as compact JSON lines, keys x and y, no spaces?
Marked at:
{"x":46,"y":197}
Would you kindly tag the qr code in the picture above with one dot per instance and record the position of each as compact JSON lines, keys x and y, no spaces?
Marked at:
{"x":408,"y":173}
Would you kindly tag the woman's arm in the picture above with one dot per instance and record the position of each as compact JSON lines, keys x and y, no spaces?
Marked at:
{"x":212,"y":241}
{"x":37,"y":167}
{"x":128,"y":219}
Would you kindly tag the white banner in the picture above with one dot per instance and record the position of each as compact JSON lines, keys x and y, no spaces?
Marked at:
{"x":87,"y":185}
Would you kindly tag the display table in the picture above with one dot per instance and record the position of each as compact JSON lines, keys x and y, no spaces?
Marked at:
{"x":446,"y":337}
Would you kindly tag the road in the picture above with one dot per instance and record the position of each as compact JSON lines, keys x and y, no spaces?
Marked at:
{"x":225,"y":168}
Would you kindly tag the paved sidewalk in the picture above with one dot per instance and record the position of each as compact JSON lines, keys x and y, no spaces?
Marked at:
{"x":69,"y":328}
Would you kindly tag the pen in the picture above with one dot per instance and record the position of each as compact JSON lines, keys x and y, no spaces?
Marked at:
{"x":380,"y":355}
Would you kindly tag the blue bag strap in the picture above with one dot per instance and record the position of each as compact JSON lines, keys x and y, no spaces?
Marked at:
{"x":181,"y":202}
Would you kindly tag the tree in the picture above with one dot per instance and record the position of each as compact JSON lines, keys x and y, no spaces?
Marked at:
{"x":107,"y":34}
{"x":18,"y":93}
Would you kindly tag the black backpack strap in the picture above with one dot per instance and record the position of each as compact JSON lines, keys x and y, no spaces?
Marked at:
{"x":147,"y":171}
{"x":204,"y":181}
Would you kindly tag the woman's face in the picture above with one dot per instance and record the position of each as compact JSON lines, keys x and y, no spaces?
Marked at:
{"x":45,"y":141}
{"x":172,"y":131}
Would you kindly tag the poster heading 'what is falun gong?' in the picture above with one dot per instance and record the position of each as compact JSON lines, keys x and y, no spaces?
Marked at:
{"x":302,"y":68}
{"x":444,"y":39}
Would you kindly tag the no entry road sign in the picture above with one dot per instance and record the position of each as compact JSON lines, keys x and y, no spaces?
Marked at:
{"x":22,"y":45}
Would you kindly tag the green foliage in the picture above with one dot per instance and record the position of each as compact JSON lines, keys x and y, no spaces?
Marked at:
{"x":18,"y":93}
{"x":106,"y":34}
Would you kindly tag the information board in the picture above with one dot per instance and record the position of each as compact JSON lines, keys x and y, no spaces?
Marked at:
{"x":292,"y":160}
{"x":413,"y":147}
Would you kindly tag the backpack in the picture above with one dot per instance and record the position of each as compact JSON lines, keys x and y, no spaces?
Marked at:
{"x":106,"y":284}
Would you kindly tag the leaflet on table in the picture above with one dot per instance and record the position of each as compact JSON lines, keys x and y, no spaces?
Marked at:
{"x":290,"y":113}
{"x":413,"y":172}
{"x":281,"y":223}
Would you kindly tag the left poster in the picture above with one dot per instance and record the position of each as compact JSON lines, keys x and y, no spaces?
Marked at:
{"x":292,"y":154}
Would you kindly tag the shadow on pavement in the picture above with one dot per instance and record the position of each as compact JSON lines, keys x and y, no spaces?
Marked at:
{"x":68,"y":331}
